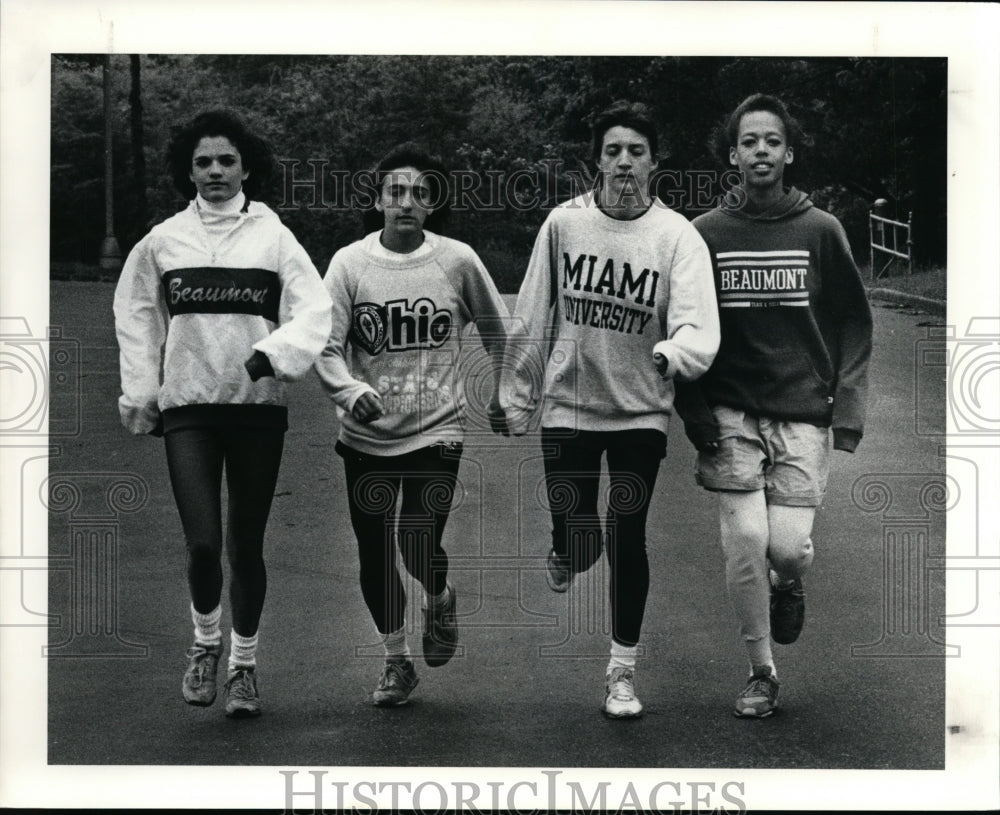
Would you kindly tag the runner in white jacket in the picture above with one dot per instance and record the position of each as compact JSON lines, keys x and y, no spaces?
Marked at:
{"x":216,"y":309}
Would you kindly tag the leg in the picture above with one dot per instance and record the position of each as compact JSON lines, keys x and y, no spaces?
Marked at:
{"x":790,"y":550}
{"x":428,"y":487}
{"x":572,"y":475}
{"x":743,"y":523}
{"x":372,"y":490}
{"x":253,"y":458}
{"x":194,"y":461}
{"x":633,"y":464}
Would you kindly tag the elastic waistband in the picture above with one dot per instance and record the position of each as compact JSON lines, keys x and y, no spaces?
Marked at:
{"x":274,"y":416}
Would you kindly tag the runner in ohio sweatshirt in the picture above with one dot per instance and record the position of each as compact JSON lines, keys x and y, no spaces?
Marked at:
{"x":403,"y":297}
{"x":616,"y":304}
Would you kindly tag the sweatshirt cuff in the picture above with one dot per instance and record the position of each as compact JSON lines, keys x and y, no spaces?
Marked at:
{"x":844,"y":439}
{"x":664,"y":349}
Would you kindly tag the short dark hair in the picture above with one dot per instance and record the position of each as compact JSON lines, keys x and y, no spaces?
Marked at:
{"x":410,"y":154}
{"x":634,"y":115}
{"x":255,"y":152}
{"x":730,"y":132}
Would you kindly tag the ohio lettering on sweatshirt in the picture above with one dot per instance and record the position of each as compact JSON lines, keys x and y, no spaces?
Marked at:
{"x":398,"y":321}
{"x":796,"y":324}
{"x":599,"y":298}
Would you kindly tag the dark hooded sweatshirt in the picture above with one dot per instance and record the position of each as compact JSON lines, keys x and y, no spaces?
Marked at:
{"x":794,"y":316}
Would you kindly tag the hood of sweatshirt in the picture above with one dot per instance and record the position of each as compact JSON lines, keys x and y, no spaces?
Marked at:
{"x":737,"y":204}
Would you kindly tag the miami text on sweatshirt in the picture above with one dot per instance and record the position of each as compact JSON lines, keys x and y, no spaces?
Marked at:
{"x":398,"y":321}
{"x":600,"y":296}
{"x":796,"y":324}
{"x":196,"y":297}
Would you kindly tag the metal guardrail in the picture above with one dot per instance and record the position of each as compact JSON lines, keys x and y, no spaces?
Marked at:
{"x":884,"y":234}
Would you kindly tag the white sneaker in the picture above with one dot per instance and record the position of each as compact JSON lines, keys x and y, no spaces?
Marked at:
{"x":620,"y":701}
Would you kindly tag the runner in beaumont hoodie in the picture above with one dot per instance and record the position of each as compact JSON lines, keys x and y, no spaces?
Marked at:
{"x":793,"y":361}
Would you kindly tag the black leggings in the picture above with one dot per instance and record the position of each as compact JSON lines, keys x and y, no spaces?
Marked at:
{"x":195,"y":459}
{"x":424,"y":481}
{"x":572,"y":474}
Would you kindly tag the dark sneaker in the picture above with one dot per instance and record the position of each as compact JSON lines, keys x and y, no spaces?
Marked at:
{"x":557,"y":573}
{"x":760,"y":697}
{"x":788,"y":612}
{"x":242,"y":698}
{"x":398,"y":680}
{"x":620,"y":701}
{"x":440,"y":631}
{"x":198,"y":686}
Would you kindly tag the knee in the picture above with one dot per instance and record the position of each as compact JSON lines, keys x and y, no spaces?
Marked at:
{"x":791,"y":557}
{"x":246,"y":562}
{"x":203,"y":554}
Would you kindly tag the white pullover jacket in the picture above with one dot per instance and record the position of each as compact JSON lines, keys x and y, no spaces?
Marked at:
{"x":191,"y":307}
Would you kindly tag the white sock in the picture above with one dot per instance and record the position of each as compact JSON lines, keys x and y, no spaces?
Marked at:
{"x":242,"y":652}
{"x":206,"y":626}
{"x":436,"y":600}
{"x":622,"y":656}
{"x":395,"y":644}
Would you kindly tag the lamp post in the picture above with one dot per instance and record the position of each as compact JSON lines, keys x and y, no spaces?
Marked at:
{"x":111,"y":253}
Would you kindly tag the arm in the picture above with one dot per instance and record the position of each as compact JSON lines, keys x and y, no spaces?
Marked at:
{"x":304,"y":317}
{"x":522,"y":378}
{"x":700,"y":425}
{"x":332,"y":366}
{"x":853,"y":324}
{"x":490,"y":315}
{"x":692,"y":316}
{"x":141,"y":327}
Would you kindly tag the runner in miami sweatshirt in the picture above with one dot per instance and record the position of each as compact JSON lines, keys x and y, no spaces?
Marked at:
{"x":600,"y":297}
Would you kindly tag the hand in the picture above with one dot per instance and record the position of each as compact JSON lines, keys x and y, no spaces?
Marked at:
{"x":258,"y":366}
{"x":660,"y":362}
{"x":368,"y":408}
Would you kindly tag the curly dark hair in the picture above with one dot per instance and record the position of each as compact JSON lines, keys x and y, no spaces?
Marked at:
{"x":634,"y":115}
{"x":410,"y":154}
{"x":727,"y":132}
{"x":255,"y":152}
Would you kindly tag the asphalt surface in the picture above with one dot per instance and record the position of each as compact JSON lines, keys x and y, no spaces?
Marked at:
{"x":526,"y":690}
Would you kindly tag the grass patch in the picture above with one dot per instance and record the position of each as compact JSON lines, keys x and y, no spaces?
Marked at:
{"x":927,"y":282}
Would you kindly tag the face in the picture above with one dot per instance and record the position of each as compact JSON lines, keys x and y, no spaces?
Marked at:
{"x":761,"y":150}
{"x":406,"y":200}
{"x":626,"y":163}
{"x":217,"y":169}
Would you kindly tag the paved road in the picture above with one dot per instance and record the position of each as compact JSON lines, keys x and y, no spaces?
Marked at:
{"x":526,"y":690}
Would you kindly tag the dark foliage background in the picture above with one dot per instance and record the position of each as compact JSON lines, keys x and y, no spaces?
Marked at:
{"x":877,"y":129}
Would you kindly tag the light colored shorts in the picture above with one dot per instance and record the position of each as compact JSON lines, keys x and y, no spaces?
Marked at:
{"x":790,"y":461}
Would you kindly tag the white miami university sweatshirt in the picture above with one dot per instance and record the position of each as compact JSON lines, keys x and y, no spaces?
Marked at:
{"x":599,"y":298}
